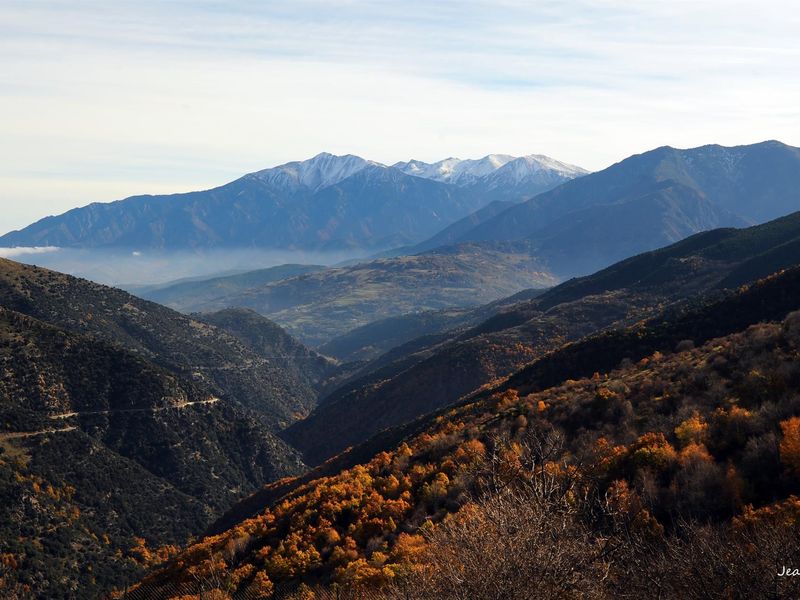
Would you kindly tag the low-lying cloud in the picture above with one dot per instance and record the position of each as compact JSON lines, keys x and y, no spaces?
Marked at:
{"x":21,"y":251}
{"x":126,"y":267}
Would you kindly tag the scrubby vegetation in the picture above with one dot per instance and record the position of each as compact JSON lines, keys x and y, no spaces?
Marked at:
{"x":657,"y":475}
{"x":317,"y":307}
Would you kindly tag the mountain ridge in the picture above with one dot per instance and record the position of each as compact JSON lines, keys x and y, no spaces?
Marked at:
{"x":727,"y":176}
{"x":324,"y":203}
{"x":103,"y":451}
{"x":187,"y":347}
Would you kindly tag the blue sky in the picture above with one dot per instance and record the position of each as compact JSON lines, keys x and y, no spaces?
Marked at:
{"x":101,"y":100}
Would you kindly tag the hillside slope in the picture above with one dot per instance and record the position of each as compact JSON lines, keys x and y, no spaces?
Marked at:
{"x":209,"y":288}
{"x":100,"y":448}
{"x":380,"y":338}
{"x":215,"y":359}
{"x":690,"y":452}
{"x":438,"y":373}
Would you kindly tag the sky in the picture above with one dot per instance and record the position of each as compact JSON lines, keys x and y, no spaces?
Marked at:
{"x":105,"y":99}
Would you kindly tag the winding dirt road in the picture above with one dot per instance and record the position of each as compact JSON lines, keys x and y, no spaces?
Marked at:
{"x":131,"y":410}
{"x":13,"y":435}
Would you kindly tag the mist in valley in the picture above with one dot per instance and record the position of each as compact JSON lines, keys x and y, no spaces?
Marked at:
{"x":133,"y":269}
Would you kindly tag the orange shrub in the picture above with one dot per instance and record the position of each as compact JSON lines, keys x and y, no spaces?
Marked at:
{"x":790,"y":444}
{"x":692,"y":430}
{"x":653,"y":450}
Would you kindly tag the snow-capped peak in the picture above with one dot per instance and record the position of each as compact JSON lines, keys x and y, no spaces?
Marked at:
{"x":313,"y":174}
{"x":491,"y":171}
{"x":492,"y":168}
{"x":455,"y":170}
{"x":535,"y":166}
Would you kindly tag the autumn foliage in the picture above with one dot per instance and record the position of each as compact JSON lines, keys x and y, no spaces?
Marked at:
{"x":679,"y":447}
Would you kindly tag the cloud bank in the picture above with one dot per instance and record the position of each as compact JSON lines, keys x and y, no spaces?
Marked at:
{"x":22,"y":251}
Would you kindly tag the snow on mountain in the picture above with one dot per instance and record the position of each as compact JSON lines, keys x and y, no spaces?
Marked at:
{"x":533,"y":168}
{"x":455,"y":170}
{"x":313,"y":174}
{"x":493,"y":170}
{"x":490,"y":172}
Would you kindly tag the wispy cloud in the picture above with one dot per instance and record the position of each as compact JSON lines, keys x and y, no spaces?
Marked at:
{"x":21,"y":251}
{"x":102,"y":100}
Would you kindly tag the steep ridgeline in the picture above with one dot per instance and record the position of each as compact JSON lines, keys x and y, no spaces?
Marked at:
{"x":645,"y":202}
{"x":106,"y":457}
{"x":328,"y":202}
{"x":318,"y":306}
{"x":421,"y":377}
{"x":678,"y":452}
{"x":222,"y":362}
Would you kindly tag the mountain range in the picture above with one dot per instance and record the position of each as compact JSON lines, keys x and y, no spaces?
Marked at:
{"x":644,"y":202}
{"x":499,"y":176}
{"x":97,"y":406}
{"x":641,"y":203}
{"x":326,"y":203}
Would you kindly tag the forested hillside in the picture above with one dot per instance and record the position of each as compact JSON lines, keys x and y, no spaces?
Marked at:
{"x":655,"y":471}
{"x":107,"y":457}
{"x":217,"y":360}
{"x":126,"y":428}
{"x":419,"y":378}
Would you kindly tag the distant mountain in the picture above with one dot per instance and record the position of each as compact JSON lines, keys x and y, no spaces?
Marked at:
{"x":444,"y":368}
{"x":591,"y":238}
{"x":455,"y":170}
{"x":209,"y":289}
{"x":318,"y":306}
{"x":326,"y":203}
{"x":644,"y":202}
{"x":314,"y":174}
